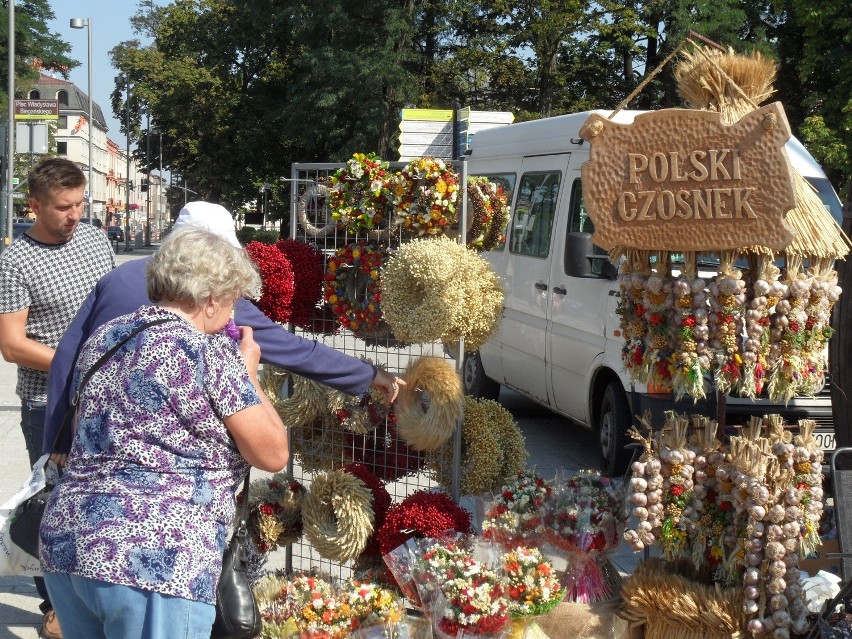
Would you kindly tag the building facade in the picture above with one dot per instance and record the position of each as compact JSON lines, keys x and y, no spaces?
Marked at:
{"x":112,"y":202}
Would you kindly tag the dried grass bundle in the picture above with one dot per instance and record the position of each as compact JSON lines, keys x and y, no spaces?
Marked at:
{"x":673,"y":606}
{"x":734,"y":85}
{"x":430,"y":403}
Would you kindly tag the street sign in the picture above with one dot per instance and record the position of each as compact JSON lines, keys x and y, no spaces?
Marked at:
{"x":18,"y":196}
{"x":36,"y":109}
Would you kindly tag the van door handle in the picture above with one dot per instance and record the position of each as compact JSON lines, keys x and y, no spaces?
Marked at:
{"x":561,"y":290}
{"x":541,"y":286}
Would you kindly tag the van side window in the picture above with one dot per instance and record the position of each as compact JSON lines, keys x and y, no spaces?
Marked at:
{"x":580,"y":222}
{"x":535,"y":208}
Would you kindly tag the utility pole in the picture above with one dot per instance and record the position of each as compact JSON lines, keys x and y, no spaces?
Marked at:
{"x":126,"y":81}
{"x":148,"y":180}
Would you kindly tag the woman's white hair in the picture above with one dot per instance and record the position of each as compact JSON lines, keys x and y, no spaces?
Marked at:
{"x":194,"y":265}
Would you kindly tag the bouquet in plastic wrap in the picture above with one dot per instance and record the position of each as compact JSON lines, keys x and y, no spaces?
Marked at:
{"x":300,"y":606}
{"x":378,"y":613}
{"x":470,"y":603}
{"x":583,"y":521}
{"x":515,"y":513}
{"x":399,"y":562}
{"x":434,"y":562}
{"x":532,"y":588}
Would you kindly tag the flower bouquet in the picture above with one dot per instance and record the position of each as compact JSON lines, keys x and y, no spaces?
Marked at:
{"x":532,"y":588}
{"x":471,"y":602}
{"x":282,"y":601}
{"x":399,"y":562}
{"x":584,"y":520}
{"x":514,"y":514}
{"x":432,"y":565}
{"x":378,"y":613}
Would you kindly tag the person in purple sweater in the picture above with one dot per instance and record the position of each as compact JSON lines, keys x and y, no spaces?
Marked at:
{"x":123,"y":290}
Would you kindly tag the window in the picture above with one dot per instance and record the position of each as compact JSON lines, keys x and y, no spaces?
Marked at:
{"x":62,"y":122}
{"x":532,"y":220}
{"x":61,"y":148}
{"x":62,"y":96}
{"x":580,"y":222}
{"x":35,"y":94}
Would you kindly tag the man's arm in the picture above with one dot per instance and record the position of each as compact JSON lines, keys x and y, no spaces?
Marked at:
{"x":19,"y":349}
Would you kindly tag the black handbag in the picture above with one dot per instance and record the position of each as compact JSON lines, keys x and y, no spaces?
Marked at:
{"x":237,"y":614}
{"x":26,"y":520}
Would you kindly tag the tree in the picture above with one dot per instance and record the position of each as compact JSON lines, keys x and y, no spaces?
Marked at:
{"x":36,"y":48}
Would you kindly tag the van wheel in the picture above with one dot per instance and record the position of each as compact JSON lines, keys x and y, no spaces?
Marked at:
{"x":612,"y":431}
{"x":475,"y":382}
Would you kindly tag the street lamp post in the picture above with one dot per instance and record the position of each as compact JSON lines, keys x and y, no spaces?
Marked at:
{"x":123,"y":79}
{"x":80,"y":23}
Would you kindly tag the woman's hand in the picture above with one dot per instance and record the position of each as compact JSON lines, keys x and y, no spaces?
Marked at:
{"x":388,"y":384}
{"x":250,"y":350}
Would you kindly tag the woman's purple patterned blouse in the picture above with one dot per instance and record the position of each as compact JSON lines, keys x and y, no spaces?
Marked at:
{"x":148,"y":492}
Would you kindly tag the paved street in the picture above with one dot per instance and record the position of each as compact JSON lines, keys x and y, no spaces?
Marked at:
{"x":552,"y":441}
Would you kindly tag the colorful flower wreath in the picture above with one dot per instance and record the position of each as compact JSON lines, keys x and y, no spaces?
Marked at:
{"x":422,"y":514}
{"x":353,"y":286}
{"x":307,"y":264}
{"x":338,"y":515}
{"x":425,"y":194}
{"x":276,"y":274}
{"x":359,"y":195}
{"x":275,"y":511}
{"x":488,"y":214}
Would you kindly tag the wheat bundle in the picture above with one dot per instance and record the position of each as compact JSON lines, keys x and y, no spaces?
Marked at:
{"x":338,"y":516}
{"x":734,"y":85}
{"x":430,"y":403}
{"x":672,"y":606}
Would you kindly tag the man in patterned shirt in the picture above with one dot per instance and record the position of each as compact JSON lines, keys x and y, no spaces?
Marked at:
{"x":45,"y":274}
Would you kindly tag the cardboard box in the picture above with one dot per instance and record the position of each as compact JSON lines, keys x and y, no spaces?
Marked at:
{"x":817,"y":561}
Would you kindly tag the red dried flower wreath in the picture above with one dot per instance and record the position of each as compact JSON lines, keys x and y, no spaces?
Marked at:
{"x":384,"y":453}
{"x":276,"y":274}
{"x":308,"y":270}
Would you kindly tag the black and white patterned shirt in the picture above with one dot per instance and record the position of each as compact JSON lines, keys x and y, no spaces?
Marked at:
{"x":51,"y":280}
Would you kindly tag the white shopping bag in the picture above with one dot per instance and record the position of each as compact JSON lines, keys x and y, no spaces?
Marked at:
{"x":13,"y":560}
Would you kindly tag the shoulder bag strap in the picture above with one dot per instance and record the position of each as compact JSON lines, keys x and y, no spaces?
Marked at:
{"x":72,"y":409}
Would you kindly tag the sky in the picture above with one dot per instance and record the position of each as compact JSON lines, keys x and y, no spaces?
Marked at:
{"x":110,"y":25}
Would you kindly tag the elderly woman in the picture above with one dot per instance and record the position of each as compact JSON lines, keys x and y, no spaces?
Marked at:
{"x":133,"y":536}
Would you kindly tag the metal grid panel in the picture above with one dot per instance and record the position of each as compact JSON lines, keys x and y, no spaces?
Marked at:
{"x":381,"y":451}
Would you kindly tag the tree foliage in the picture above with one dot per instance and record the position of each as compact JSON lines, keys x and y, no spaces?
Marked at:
{"x":35,"y":46}
{"x":243,"y":89}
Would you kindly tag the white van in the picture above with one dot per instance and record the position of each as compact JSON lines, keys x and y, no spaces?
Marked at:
{"x":559,"y":341}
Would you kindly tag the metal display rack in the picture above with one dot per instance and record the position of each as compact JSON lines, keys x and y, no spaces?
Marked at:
{"x":381,"y":451}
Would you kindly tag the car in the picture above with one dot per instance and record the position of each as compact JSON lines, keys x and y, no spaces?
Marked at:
{"x":20,"y":227}
{"x":93,"y":221}
{"x":115,"y":234}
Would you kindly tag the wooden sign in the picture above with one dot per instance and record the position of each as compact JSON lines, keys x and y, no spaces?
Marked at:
{"x":682,"y":180}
